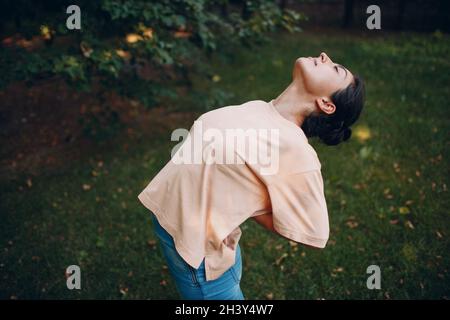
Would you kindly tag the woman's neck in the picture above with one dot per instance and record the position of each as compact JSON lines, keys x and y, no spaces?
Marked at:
{"x":293,"y":104}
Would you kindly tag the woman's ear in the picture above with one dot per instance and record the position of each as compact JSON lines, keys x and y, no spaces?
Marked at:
{"x":325,"y":105}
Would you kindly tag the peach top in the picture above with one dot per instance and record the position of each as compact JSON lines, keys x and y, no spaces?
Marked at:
{"x":202,"y":203}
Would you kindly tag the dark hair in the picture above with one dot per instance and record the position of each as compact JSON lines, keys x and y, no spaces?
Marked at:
{"x":335,"y":128}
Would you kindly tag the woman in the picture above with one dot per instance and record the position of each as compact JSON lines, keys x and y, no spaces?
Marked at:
{"x":201,"y":197}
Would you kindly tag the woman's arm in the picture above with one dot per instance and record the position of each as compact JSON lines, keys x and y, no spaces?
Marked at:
{"x":266,"y":220}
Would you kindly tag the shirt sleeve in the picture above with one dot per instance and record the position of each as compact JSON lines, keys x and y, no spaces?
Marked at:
{"x":299,"y":208}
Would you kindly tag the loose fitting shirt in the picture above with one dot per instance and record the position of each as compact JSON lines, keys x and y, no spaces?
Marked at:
{"x":237,"y":162}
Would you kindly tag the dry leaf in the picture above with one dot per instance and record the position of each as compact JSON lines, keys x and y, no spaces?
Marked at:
{"x":124,"y":291}
{"x":352,"y":224}
{"x":396,"y":167}
{"x":85,"y":49}
{"x":403,"y":210}
{"x":133,"y":37}
{"x":151,"y":244}
{"x":362,"y":133}
{"x":409,"y":224}
{"x":283,"y":256}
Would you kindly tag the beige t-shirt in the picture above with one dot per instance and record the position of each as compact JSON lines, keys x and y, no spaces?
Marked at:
{"x":251,"y":161}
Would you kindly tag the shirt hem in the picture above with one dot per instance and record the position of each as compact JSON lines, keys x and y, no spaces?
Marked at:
{"x":158,"y":212}
{"x":181,"y":249}
{"x":302,"y":238}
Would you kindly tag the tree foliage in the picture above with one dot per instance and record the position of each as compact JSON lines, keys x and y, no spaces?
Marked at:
{"x":133,"y":47}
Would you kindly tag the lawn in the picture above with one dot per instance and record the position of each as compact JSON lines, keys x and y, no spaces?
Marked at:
{"x":386,"y":190}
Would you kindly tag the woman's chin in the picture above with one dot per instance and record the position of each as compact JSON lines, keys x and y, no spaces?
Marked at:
{"x":301,"y":60}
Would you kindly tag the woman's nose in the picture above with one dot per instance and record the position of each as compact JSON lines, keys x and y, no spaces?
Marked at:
{"x":324,"y":57}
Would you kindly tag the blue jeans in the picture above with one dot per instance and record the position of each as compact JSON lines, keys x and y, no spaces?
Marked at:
{"x":190,"y":282}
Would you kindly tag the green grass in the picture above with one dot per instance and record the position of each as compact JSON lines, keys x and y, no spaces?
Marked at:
{"x":105,"y":230}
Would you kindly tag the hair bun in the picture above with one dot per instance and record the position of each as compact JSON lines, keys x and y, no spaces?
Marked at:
{"x":347,"y":133}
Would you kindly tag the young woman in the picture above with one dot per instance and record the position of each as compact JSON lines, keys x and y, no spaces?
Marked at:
{"x":201,"y":197}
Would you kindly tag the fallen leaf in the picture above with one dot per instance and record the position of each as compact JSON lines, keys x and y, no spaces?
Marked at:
{"x":283,"y":256}
{"x":409,"y":224}
{"x":403,"y":210}
{"x":396,"y":167}
{"x":352,"y":224}
{"x":362,"y":133}
{"x":151,"y":244}
{"x":123,"y":291}
{"x":85,"y":49}
{"x":132,"y":38}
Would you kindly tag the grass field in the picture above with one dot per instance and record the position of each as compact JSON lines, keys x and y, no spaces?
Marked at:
{"x":386,"y":189}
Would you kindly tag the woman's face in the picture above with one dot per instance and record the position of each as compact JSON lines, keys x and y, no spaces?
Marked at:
{"x":320,"y":76}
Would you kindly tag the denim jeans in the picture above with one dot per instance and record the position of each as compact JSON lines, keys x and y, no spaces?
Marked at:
{"x":190,"y":282}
